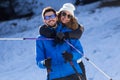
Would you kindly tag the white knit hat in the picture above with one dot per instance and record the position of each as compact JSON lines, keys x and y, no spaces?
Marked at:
{"x":68,"y":7}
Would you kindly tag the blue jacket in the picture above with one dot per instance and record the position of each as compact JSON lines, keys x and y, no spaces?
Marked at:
{"x":47,"y":49}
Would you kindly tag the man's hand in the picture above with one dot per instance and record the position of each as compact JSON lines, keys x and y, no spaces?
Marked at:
{"x":59,"y":37}
{"x":67,"y":56}
{"x":47,"y":63}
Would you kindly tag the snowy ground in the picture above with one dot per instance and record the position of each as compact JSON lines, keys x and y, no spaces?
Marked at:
{"x":100,"y":42}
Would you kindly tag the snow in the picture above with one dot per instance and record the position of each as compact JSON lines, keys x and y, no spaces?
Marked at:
{"x":100,"y":41}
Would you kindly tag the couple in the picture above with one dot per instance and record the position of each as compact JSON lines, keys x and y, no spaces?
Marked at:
{"x":56,"y":55}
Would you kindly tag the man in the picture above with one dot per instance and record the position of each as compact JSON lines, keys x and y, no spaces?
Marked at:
{"x":56,"y":58}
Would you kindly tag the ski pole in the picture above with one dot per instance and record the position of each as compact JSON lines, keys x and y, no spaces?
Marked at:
{"x":76,"y":72}
{"x":25,"y":39}
{"x":68,"y":44}
{"x":48,"y":74}
{"x":89,"y":60}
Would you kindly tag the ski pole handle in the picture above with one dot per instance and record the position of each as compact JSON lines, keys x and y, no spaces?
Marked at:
{"x":76,"y":72}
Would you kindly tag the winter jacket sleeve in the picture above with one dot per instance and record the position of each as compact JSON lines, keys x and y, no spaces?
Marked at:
{"x":76,"y":34}
{"x":77,"y":49}
{"x":39,"y":54}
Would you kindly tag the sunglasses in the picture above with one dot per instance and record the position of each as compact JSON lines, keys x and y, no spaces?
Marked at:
{"x":50,"y":17}
{"x":65,"y":14}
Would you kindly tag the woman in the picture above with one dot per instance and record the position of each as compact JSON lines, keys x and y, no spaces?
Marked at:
{"x":66,"y":17}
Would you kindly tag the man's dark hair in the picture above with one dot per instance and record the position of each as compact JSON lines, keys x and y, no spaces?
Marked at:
{"x":47,"y":9}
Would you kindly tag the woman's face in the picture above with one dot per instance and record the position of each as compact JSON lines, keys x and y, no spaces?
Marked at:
{"x":65,"y":17}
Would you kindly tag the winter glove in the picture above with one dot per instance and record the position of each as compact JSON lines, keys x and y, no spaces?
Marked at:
{"x":47,"y":63}
{"x":59,"y":37}
{"x":67,"y":56}
{"x":66,"y":35}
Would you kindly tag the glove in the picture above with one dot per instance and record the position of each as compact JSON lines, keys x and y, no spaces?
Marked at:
{"x":67,"y":35}
{"x":59,"y":37}
{"x":67,"y":56}
{"x":47,"y":63}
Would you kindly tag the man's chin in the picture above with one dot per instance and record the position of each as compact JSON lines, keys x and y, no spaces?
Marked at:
{"x":52,"y":25}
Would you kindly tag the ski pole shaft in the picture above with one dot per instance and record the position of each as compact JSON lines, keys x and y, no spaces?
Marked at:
{"x":98,"y":68}
{"x":11,"y":39}
{"x":2,"y":39}
{"x":48,"y":74}
{"x":89,"y":61}
{"x":76,"y":72}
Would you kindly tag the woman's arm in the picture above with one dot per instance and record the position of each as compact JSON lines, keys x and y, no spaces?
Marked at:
{"x":77,"y":33}
{"x":47,"y":32}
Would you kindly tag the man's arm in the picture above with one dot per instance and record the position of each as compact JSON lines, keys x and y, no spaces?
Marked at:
{"x":39,"y":54}
{"x":76,"y":43}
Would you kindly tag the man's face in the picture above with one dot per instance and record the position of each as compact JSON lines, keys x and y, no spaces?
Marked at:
{"x":50,"y":18}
